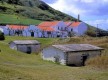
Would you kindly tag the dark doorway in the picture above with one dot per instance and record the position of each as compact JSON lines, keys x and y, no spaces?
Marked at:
{"x":58,"y":36}
{"x":29,"y":50}
{"x":32,"y":34}
{"x":57,"y":58}
{"x":84,"y":58}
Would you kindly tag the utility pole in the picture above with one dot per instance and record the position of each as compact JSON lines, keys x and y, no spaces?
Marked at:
{"x":97,"y":31}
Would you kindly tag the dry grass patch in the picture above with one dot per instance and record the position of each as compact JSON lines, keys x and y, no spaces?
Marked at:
{"x":98,"y":62}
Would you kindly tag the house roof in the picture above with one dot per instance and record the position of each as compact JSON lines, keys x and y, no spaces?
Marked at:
{"x":75,"y":24}
{"x":77,"y":47}
{"x":26,"y":42}
{"x":49,"y":24}
{"x":17,"y":27}
{"x":46,"y":28}
{"x":68,"y":23}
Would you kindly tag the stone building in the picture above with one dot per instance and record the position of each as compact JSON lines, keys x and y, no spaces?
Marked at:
{"x":71,"y":54}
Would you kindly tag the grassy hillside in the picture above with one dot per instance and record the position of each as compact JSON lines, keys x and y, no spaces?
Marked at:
{"x":15,"y":19}
{"x":15,"y":65}
{"x":35,"y":9}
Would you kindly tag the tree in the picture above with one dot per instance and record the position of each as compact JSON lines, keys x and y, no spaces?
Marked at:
{"x":2,"y":1}
{"x":13,"y":1}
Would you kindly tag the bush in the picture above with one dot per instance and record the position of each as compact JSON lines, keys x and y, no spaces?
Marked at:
{"x":98,"y":62}
{"x":2,"y":36}
{"x":91,"y":33}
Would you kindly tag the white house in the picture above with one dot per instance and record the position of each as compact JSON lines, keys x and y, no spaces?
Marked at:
{"x":1,"y":29}
{"x":15,"y":29}
{"x":32,"y":31}
{"x":4,"y":29}
{"x":78,"y":28}
{"x":47,"y":29}
{"x":53,"y":28}
{"x":27,"y":46}
{"x":71,"y":54}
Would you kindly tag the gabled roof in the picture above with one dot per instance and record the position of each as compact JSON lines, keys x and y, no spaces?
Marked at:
{"x":17,"y":27}
{"x":46,"y":28}
{"x":25,"y":42}
{"x":49,"y":24}
{"x":75,"y":24}
{"x":68,"y":23}
{"x":77,"y":47}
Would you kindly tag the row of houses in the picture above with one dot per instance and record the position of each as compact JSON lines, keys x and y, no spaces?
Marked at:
{"x":47,"y":29}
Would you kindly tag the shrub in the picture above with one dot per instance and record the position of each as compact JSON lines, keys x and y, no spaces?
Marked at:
{"x":2,"y":36}
{"x":91,"y":33}
{"x":98,"y":62}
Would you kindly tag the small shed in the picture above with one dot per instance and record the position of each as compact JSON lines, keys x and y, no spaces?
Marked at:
{"x":71,"y":54}
{"x":27,"y":46}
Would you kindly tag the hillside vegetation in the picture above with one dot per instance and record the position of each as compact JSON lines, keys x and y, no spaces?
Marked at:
{"x":16,"y":19}
{"x":35,"y":9}
{"x":15,"y":65}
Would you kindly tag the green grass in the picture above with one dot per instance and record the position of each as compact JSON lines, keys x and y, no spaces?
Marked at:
{"x":15,"y":65}
{"x":16,"y":19}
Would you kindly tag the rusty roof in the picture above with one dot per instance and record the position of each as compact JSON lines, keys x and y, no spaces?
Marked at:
{"x":46,"y":28}
{"x":49,"y":23}
{"x":75,"y":24}
{"x":77,"y":47}
{"x":17,"y":27}
{"x":26,"y":42}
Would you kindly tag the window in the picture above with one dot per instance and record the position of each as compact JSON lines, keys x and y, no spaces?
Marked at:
{"x":65,"y":28}
{"x":58,"y":27}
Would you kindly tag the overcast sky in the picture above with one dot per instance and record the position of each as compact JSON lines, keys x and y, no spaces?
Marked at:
{"x":91,"y":11}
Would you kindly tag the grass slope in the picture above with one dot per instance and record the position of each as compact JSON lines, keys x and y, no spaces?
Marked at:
{"x":15,"y":19}
{"x":15,"y":65}
{"x":34,"y":9}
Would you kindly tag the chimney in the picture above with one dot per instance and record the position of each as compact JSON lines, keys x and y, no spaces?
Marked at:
{"x":78,"y":18}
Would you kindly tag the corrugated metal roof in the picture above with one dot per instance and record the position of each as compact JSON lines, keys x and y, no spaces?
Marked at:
{"x":77,"y":47}
{"x":26,"y":42}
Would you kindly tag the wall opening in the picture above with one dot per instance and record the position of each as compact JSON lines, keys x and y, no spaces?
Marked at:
{"x":29,"y":50}
{"x":57,"y":59}
{"x":84,"y":58}
{"x":32,"y":34}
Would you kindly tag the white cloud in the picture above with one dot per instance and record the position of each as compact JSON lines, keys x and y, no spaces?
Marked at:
{"x":87,"y":1}
{"x":63,"y":6}
{"x":83,"y":7}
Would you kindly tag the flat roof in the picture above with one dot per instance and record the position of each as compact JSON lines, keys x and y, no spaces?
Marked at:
{"x":77,"y":47}
{"x":26,"y":42}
